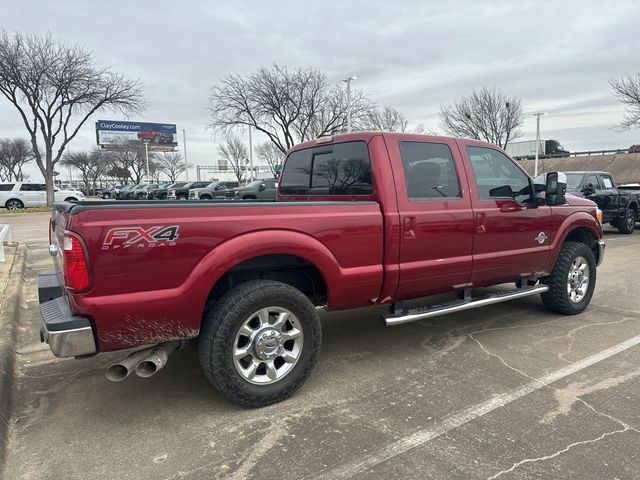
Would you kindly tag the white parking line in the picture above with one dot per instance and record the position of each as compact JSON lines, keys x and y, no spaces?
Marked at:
{"x":362,"y":464}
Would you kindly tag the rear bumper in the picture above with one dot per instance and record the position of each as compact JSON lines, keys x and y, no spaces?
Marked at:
{"x":600,"y":257}
{"x":68,"y":335}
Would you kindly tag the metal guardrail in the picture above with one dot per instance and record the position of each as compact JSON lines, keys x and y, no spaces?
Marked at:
{"x":586,"y":153}
{"x":590,"y":153}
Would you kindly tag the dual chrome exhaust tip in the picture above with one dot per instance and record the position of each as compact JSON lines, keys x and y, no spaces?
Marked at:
{"x":144,"y":363}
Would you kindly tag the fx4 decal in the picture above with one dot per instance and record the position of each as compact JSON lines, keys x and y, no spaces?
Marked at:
{"x":139,"y":237}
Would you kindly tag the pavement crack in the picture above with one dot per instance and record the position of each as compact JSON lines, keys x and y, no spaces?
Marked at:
{"x":571,"y":334}
{"x":566,"y":397}
{"x":502,"y":360}
{"x":558,"y":453}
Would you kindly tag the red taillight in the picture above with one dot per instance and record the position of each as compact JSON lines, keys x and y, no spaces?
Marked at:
{"x":76,"y":269}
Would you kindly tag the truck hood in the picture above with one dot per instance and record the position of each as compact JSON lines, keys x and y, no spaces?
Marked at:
{"x":579,"y":201}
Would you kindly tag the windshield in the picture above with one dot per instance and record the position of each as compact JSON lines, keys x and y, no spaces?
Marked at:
{"x":255,"y":183}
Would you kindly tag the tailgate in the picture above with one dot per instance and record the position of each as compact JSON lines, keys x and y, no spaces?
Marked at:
{"x":57,"y":226}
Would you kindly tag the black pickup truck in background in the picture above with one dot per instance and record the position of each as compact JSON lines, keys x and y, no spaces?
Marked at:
{"x":620,"y":205}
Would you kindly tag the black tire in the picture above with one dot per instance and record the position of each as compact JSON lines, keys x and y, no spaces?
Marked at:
{"x":139,"y":196}
{"x":221,"y":323}
{"x":557,"y":298}
{"x":183,"y":197}
{"x":205,"y":197}
{"x":627,"y":223}
{"x":14,"y":204}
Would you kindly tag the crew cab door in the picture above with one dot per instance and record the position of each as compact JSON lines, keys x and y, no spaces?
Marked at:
{"x":606,"y":196}
{"x":436,"y":220}
{"x":512,"y":235}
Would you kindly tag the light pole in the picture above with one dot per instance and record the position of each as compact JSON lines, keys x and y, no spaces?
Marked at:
{"x":535,"y":165}
{"x":146,"y":153}
{"x":250,"y":156}
{"x":186,"y":164}
{"x":348,"y":82}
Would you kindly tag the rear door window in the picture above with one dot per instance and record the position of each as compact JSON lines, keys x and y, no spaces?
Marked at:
{"x":429,"y":171}
{"x":607,"y":181}
{"x":28,"y":187}
{"x":341,"y":169}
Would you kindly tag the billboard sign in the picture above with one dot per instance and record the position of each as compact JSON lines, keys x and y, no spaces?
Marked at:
{"x":115,"y":134}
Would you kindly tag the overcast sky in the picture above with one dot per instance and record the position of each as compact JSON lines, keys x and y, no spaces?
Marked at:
{"x":557,"y":56}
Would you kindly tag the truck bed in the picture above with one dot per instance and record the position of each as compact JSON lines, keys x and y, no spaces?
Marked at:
{"x":161,"y":259}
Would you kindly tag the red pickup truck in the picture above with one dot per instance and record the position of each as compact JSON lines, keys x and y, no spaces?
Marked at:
{"x":360,"y":219}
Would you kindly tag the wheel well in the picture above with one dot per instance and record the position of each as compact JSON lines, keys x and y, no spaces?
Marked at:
{"x":71,"y":199}
{"x":634,"y":206}
{"x":584,"y":235}
{"x":289,"y":269}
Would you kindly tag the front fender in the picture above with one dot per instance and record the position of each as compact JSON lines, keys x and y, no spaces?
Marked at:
{"x":568,"y":225}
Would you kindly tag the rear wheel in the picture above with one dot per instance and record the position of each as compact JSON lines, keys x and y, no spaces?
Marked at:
{"x":182,"y":197}
{"x":14,"y":204}
{"x":572,"y":280}
{"x":627,"y":223}
{"x":259,"y":342}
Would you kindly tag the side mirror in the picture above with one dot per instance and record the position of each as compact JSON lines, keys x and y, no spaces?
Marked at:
{"x":556,"y":188}
{"x":262,"y":187}
{"x":502,"y":191}
{"x":589,"y":189}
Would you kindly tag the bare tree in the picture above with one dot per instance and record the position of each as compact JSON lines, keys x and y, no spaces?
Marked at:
{"x":235,"y":153}
{"x":92,"y":165}
{"x":133,"y":160}
{"x":287,"y":106}
{"x":56,"y":87}
{"x":14,"y":154}
{"x":270,"y":154}
{"x":171,"y":164}
{"x":627,"y":89}
{"x":387,"y":119}
{"x":487,"y":115}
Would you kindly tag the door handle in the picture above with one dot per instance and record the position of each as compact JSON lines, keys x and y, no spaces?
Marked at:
{"x":510,"y":207}
{"x":409,"y":227}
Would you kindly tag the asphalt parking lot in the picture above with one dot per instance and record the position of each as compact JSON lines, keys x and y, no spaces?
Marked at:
{"x":510,"y":391}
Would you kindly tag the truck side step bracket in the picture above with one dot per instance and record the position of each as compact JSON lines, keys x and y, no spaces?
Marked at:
{"x":461,"y":305}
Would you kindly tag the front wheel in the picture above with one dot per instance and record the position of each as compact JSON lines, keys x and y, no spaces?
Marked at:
{"x":627,"y":223}
{"x":14,"y":204}
{"x":572,"y":280}
{"x":259,"y":342}
{"x":182,"y":197}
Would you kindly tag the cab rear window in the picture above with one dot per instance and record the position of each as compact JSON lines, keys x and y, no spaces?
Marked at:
{"x":340,"y":169}
{"x":6,"y":187}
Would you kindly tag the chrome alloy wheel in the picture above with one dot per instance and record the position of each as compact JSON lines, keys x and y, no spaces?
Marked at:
{"x":268,"y":345}
{"x":578,"y":279}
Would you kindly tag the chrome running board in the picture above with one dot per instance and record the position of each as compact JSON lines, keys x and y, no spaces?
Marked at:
{"x":466,"y":303}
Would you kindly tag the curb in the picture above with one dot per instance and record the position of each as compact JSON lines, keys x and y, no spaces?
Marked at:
{"x":9,"y":308}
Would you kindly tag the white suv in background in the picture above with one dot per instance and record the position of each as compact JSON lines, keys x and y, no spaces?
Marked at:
{"x":17,"y":195}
